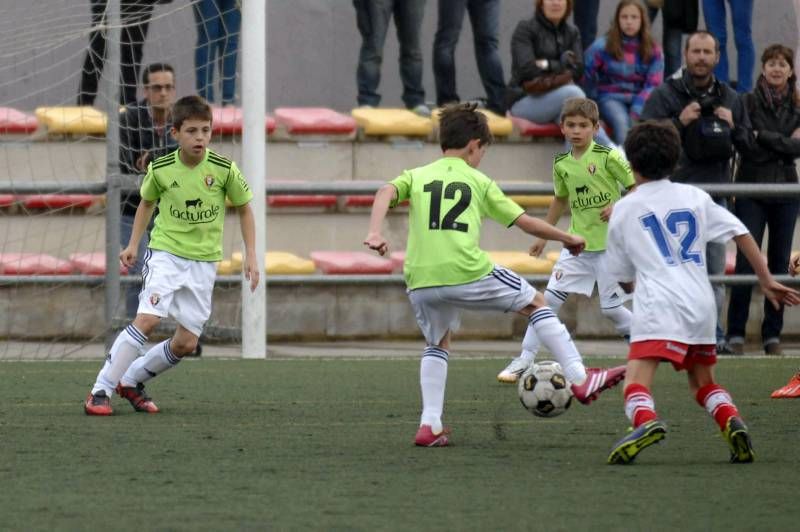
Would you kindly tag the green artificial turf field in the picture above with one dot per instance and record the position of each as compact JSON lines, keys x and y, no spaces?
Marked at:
{"x":326,"y":445}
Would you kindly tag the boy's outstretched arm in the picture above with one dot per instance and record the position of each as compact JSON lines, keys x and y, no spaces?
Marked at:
{"x":250,"y":265}
{"x":536,"y":227}
{"x":383,"y":198}
{"x":143,"y":214}
{"x":774,"y":291}
{"x":554,"y":212}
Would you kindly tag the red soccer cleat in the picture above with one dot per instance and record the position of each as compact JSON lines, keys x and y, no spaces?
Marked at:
{"x":597,"y":380}
{"x":98,"y":404}
{"x":791,"y":390}
{"x":426,"y":438}
{"x":138,"y":399}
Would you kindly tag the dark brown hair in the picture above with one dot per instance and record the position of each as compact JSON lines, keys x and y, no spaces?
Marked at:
{"x":190,"y":108}
{"x":461,"y":123}
{"x":614,"y":35}
{"x":580,"y":107}
{"x":567,"y":13}
{"x":653,"y":148}
{"x":775,"y":51}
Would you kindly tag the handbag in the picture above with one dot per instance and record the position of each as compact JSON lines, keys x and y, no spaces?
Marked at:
{"x":547,"y":82}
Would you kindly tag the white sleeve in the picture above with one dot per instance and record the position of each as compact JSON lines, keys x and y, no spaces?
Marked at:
{"x":721,"y":224}
{"x":618,"y":263}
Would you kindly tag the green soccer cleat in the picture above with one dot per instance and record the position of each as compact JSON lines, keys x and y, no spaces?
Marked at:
{"x":626,"y":449}
{"x":738,"y":439}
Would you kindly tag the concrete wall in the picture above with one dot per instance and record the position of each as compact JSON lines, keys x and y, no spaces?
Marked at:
{"x":312,"y":48}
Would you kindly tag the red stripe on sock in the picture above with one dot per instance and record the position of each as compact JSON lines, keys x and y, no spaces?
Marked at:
{"x":723,"y":411}
{"x":641,"y":414}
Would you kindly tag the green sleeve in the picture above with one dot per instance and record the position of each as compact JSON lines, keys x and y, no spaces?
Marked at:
{"x":236,"y":188}
{"x":403,"y":185}
{"x":620,"y":169}
{"x":500,"y":207}
{"x":151,"y":190}
{"x":559,"y":187}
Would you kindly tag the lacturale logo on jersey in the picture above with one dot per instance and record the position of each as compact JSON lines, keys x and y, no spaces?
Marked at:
{"x":195,"y":212}
{"x":585,"y":199}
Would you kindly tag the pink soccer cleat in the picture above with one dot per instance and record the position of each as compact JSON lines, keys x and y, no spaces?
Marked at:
{"x":426,"y":438}
{"x":139,"y":400}
{"x":597,"y":380}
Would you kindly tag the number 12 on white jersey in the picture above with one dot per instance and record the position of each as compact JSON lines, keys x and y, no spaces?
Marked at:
{"x":682,"y":224}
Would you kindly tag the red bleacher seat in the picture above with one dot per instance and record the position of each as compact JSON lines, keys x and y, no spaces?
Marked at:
{"x":314,"y":120}
{"x":229,"y":121}
{"x":398,"y":258}
{"x":33,"y":264}
{"x":6,"y":200}
{"x":58,"y":201}
{"x":532,"y":129}
{"x":13,"y":121}
{"x":358,"y":201}
{"x":350,"y":262}
{"x":291,"y":200}
{"x":93,"y":263}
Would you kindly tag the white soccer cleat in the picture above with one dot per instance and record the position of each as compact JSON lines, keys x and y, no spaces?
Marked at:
{"x":515,"y":368}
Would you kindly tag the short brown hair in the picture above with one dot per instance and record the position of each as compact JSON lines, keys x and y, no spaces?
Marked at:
{"x":580,"y":107}
{"x":190,"y":108}
{"x":701,"y":33}
{"x":461,"y":123}
{"x":567,"y":13}
{"x":653,"y":148}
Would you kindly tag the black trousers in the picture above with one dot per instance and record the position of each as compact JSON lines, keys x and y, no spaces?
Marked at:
{"x":135,"y":18}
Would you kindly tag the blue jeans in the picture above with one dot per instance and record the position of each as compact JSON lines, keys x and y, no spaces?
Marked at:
{"x":672,"y":41}
{"x":715,"y":265}
{"x":484,"y":15}
{"x":585,"y":17}
{"x":132,"y":290}
{"x":372,"y":19}
{"x":779,"y":217}
{"x":616,"y":114}
{"x":742,"y":16}
{"x":218,"y":24}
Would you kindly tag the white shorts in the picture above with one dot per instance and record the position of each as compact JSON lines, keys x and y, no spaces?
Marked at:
{"x":438,"y":308}
{"x":578,"y":275}
{"x":177,"y":287}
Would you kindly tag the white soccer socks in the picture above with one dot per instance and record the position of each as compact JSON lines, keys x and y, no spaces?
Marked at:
{"x":621,"y":317}
{"x":159,"y":359}
{"x":432,"y":381}
{"x":555,"y":337}
{"x":124,"y":351}
{"x":530,"y":342}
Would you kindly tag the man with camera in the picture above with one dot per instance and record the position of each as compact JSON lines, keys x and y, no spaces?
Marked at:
{"x":712,"y":123}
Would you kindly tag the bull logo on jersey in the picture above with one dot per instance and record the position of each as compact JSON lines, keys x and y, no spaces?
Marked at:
{"x":196,"y":203}
{"x":154,"y":299}
{"x":582,"y":190}
{"x":586,"y":199}
{"x":209,"y":180}
{"x":591,"y":168}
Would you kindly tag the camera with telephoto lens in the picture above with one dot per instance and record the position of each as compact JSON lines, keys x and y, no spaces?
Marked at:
{"x":708,"y":102}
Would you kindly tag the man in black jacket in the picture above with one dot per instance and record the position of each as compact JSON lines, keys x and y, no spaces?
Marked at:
{"x":144,"y":135}
{"x":698,"y":105}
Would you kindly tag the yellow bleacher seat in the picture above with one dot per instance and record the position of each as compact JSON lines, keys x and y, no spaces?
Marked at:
{"x":74,"y":120}
{"x":533,"y":202}
{"x":521,"y":262}
{"x":278,"y":263}
{"x":225,"y":267}
{"x":392,"y":122}
{"x":553,"y":256}
{"x":500,"y":126}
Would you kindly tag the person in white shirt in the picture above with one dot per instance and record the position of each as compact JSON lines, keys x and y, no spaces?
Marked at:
{"x":657,"y":238}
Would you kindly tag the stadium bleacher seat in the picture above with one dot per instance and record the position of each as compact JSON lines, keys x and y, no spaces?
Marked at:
{"x":392,"y":122}
{"x":72,"y":120}
{"x":7,"y":200}
{"x":533,"y":202}
{"x":92,"y":263}
{"x":314,"y":121}
{"x":33,"y":264}
{"x":351,"y":262}
{"x":299,"y":200}
{"x":553,"y":256}
{"x":521,"y":262}
{"x":527,"y":128}
{"x":14,"y":121}
{"x":230,"y":120}
{"x":58,"y":201}
{"x":284,"y":263}
{"x":358,"y":201}
{"x":500,"y":126}
{"x":398,"y":258}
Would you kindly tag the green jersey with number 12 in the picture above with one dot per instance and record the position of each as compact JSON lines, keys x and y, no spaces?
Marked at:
{"x":449,"y":200}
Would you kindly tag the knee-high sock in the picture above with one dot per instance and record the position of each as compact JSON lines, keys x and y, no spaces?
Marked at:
{"x":555,"y":337}
{"x":639,"y":405}
{"x":621,"y":317}
{"x":124,"y":351}
{"x":432,"y":381}
{"x":155,"y":362}
{"x":531,"y":343}
{"x":718,"y":403}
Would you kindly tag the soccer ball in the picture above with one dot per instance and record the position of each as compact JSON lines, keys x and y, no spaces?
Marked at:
{"x":543,"y":389}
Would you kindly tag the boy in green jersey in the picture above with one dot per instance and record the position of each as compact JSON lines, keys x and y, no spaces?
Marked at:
{"x":189,"y":186}
{"x":587,"y":180}
{"x":445,"y":269}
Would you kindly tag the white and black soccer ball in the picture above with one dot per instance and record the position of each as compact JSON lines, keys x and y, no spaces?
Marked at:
{"x":543,"y":389}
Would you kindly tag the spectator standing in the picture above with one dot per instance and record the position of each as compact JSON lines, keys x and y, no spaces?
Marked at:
{"x":484,"y":16}
{"x":678,"y":17}
{"x":774,"y":111}
{"x":585,"y":18}
{"x":144,"y":135}
{"x":711,"y":120}
{"x":372,"y":19}
{"x":218,"y":25}
{"x":135,"y":19}
{"x":623,"y":68}
{"x":546,"y":62}
{"x":742,"y":17}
